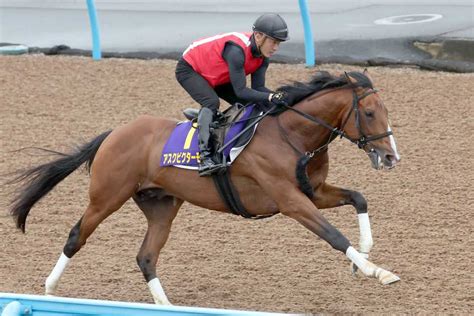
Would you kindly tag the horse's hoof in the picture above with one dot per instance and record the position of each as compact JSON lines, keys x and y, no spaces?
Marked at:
{"x":354,"y":269}
{"x":386,"y":277}
{"x":163,"y":302}
{"x":49,"y":292}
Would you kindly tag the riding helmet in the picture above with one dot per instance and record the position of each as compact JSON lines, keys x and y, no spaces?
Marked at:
{"x":272,"y":25}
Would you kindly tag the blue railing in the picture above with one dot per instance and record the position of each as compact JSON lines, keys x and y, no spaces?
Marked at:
{"x":31,"y":305}
{"x":308,"y":34}
{"x":96,"y":53}
{"x":305,"y":17}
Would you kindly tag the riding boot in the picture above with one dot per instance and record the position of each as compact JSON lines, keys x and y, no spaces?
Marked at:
{"x":206,"y":164}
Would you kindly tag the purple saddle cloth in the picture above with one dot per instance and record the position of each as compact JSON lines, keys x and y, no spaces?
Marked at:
{"x":182,"y":150}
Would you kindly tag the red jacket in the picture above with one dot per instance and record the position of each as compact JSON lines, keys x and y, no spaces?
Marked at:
{"x":205,"y":56}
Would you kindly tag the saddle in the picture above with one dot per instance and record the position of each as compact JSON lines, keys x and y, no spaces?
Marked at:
{"x":231,"y":131}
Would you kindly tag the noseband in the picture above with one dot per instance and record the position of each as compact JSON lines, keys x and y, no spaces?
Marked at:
{"x":363,"y":139}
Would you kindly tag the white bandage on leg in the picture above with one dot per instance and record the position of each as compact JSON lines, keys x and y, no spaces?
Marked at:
{"x":365,"y":241}
{"x":370,"y":269}
{"x":358,"y":259}
{"x":157,"y":292}
{"x":52,"y":281}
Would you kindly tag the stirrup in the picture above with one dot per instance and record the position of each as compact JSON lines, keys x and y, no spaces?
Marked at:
{"x":216,"y":168}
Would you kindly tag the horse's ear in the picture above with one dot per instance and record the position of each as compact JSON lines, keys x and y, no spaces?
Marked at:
{"x":366,"y":73}
{"x":350,"y":79}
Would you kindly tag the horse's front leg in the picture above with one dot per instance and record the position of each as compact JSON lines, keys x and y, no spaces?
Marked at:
{"x":327,"y":196}
{"x":295,"y":204}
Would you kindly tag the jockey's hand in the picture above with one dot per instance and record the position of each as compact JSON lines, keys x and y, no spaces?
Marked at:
{"x":279,"y":98}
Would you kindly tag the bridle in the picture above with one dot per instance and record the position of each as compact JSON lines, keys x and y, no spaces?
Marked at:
{"x":362,"y":141}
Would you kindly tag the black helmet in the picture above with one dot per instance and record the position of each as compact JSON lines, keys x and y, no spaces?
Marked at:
{"x":272,"y":25}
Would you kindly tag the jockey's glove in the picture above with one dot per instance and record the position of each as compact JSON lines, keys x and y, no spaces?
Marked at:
{"x":279,"y":98}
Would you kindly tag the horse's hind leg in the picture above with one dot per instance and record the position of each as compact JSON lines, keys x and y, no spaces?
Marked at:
{"x":107,"y":194}
{"x":160,"y":211}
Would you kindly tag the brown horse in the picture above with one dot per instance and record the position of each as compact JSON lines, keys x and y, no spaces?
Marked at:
{"x":283,"y":170}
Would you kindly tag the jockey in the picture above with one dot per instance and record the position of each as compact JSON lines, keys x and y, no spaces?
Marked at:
{"x":216,"y":67}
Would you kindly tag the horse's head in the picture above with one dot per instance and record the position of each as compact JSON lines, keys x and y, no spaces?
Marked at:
{"x":367,"y":124}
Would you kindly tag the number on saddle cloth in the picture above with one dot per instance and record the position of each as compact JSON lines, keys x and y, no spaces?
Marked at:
{"x":181,"y":149}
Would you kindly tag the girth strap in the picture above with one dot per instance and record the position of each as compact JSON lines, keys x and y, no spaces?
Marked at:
{"x":230,"y":196}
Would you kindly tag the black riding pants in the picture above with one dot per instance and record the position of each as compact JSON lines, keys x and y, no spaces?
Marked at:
{"x":200,"y":90}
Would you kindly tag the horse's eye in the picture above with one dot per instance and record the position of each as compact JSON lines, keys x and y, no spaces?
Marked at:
{"x":369,"y":114}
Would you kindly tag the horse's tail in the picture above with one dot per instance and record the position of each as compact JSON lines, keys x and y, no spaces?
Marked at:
{"x":39,"y":180}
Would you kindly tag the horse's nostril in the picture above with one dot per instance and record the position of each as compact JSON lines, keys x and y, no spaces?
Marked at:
{"x":391,"y":158}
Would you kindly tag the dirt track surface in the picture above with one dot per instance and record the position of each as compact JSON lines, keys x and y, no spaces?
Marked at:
{"x":420,"y":211}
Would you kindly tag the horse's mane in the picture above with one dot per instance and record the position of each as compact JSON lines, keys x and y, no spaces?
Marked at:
{"x":297,"y":91}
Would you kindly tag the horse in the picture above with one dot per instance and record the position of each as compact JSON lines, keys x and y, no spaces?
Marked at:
{"x":282,"y":170}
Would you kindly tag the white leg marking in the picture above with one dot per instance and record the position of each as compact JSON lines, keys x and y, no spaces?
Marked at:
{"x":157,"y":292}
{"x":363,"y":264}
{"x":52,"y":281}
{"x":370,"y":269}
{"x":365,"y":241}
{"x":393,"y":144}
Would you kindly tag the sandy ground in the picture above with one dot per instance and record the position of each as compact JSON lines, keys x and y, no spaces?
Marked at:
{"x":419,"y":211}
